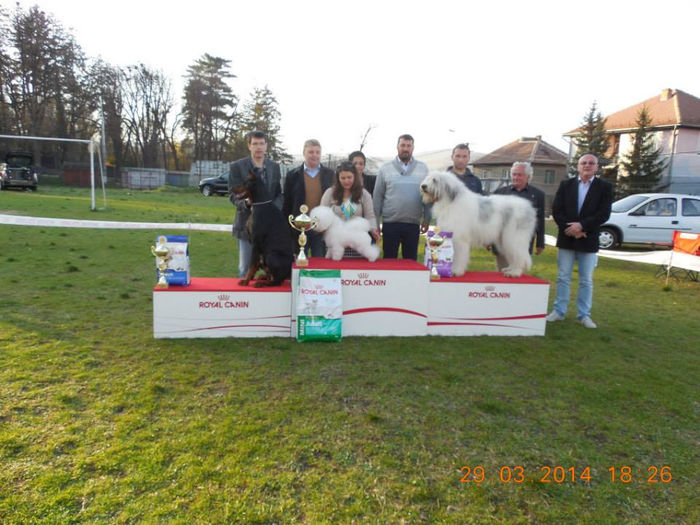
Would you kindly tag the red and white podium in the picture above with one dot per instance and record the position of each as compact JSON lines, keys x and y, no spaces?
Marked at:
{"x":392,"y":297}
{"x":386,"y":297}
{"x":487,"y":303}
{"x":221,"y":308}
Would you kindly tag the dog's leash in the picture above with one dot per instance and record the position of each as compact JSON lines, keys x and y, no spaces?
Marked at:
{"x":259,"y":203}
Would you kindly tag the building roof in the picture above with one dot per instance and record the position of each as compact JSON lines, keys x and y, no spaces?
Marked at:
{"x":672,"y":107}
{"x":531,"y":149}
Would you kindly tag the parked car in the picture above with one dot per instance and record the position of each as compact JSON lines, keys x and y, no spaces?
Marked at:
{"x":650,"y":218}
{"x":214,"y":185}
{"x":18,"y":172}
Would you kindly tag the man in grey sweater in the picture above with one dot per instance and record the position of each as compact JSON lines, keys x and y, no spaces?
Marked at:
{"x":398,"y":202}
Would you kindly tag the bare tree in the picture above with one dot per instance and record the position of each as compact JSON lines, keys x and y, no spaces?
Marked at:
{"x":148,"y":101}
{"x":107,"y":82}
{"x":44,"y":80}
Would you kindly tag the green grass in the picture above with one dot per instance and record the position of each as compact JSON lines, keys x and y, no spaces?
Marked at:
{"x":101,"y":423}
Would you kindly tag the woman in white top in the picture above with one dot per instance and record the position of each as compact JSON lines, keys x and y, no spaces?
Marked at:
{"x":347,"y":198}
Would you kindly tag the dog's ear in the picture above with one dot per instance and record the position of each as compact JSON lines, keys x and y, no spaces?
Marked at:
{"x":251,"y":175}
{"x":450,"y":191}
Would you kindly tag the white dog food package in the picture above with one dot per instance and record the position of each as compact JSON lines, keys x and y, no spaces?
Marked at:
{"x":445,"y":252}
{"x":178,"y":271}
{"x":319,"y":306}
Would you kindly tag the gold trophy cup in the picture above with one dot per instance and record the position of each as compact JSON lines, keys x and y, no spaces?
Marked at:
{"x":162,"y":255}
{"x":435,"y":241}
{"x":302,"y":223}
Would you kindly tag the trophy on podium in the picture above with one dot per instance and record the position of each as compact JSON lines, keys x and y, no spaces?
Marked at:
{"x":302,"y":223}
{"x":435,"y":241}
{"x":163,"y":256}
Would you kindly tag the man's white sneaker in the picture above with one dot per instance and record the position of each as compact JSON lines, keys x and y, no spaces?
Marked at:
{"x":554,"y":316}
{"x":587,"y":322}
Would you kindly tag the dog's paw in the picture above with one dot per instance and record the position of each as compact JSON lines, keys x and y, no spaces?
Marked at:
{"x":371,"y":253}
{"x":512,"y":272}
{"x":243,"y":282}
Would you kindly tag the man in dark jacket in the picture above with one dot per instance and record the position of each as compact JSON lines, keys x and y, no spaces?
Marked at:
{"x":581,"y":205}
{"x":520,"y":177}
{"x":460,"y":159}
{"x":269,"y":172}
{"x":305,"y":185}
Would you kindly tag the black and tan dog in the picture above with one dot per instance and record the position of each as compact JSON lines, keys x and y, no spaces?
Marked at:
{"x":269,"y":236}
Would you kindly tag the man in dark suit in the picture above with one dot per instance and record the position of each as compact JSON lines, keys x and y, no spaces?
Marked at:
{"x":266,"y":170}
{"x":581,"y":205}
{"x":520,"y":176}
{"x":305,"y":184}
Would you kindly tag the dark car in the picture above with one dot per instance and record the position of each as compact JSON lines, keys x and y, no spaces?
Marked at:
{"x":214,"y":185}
{"x":17,"y":172}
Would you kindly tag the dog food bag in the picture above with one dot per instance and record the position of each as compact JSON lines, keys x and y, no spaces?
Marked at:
{"x":178,"y":270}
{"x":319,"y":306}
{"x":445,"y":253}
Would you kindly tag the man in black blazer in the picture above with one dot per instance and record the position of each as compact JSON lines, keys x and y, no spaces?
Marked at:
{"x":264,"y":168}
{"x":520,"y":176}
{"x":581,"y":205}
{"x":305,"y":184}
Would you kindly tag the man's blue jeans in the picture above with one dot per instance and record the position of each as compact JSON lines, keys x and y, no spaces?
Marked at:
{"x":565,"y":266}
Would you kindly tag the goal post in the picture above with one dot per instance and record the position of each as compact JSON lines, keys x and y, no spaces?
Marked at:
{"x":91,"y":149}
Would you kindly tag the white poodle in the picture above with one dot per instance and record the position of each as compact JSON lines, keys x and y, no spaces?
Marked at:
{"x":339,"y":234}
{"x":504,"y":221}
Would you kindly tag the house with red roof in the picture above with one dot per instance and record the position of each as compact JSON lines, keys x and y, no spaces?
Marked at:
{"x":675,"y":118}
{"x":548,"y":164}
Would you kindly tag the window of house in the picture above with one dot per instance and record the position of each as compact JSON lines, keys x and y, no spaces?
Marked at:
{"x":549,"y":176}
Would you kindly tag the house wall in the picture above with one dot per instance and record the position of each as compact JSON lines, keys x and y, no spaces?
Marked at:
{"x":682,"y":174}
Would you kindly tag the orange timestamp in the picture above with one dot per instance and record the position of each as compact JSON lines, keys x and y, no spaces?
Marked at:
{"x":560,"y":474}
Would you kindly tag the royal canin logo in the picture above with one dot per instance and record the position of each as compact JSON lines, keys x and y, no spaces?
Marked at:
{"x":223,"y":301}
{"x":488,"y":293}
{"x":363,"y":280}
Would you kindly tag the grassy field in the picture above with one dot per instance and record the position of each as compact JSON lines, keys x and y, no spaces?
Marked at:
{"x":100,"y":423}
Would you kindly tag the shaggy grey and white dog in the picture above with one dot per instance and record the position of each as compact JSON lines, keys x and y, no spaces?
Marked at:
{"x":504,"y":221}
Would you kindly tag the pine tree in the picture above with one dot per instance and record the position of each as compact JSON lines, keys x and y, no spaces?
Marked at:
{"x":591,"y":139}
{"x":260,"y":113}
{"x":209,"y":106}
{"x":642,"y":166}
